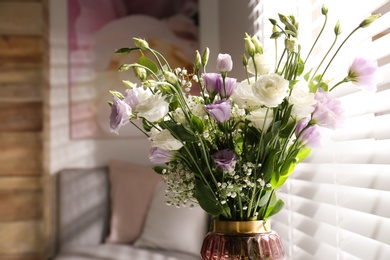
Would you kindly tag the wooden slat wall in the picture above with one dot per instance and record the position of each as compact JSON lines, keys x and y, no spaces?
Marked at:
{"x":21,"y":172}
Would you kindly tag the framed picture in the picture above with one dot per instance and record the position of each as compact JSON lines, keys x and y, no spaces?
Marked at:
{"x":97,"y":28}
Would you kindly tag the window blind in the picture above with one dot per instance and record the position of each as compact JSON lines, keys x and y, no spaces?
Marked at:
{"x":338,"y":200}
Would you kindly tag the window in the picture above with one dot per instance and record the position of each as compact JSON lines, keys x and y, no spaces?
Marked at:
{"x":338,"y":200}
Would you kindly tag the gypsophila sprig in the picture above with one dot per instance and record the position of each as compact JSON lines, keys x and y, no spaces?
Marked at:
{"x":230,"y":147}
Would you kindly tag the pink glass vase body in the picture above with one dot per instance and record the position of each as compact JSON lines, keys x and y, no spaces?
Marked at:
{"x":265,"y":245}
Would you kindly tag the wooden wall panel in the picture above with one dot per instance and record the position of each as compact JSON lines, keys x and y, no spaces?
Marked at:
{"x":20,"y":48}
{"x":23,"y":24}
{"x":20,"y":92}
{"x":20,"y":116}
{"x":21,"y":18}
{"x":19,"y":237}
{"x":22,"y":154}
{"x":20,"y":205}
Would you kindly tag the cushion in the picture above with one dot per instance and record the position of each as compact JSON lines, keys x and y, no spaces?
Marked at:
{"x":119,"y":252}
{"x":132,"y":188}
{"x":170,"y":228}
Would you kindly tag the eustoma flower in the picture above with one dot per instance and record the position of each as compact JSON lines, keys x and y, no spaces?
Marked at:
{"x":261,"y":118}
{"x":224,"y":63}
{"x":120,"y":114}
{"x":243,"y":95}
{"x":160,"y":156}
{"x":270,"y":89}
{"x":212,"y":82}
{"x":163,"y":139}
{"x":302,"y":100}
{"x":309,"y":136}
{"x":153,"y":108}
{"x":363,"y":73}
{"x":225,"y":160}
{"x":136,"y":95}
{"x":220,"y":110}
{"x":328,"y":111}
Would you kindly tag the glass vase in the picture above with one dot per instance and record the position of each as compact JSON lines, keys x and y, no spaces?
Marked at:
{"x":231,"y":240}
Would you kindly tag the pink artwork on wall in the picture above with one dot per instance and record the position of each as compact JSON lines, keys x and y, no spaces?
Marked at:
{"x":99,"y":27}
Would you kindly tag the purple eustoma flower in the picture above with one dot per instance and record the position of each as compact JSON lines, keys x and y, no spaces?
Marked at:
{"x":310,"y":136}
{"x":120,"y":114}
{"x":225,"y":160}
{"x":220,"y":110}
{"x":160,"y":156}
{"x":213,"y":82}
{"x":363,"y":73}
{"x":230,"y":85}
{"x":328,"y":111}
{"x":224,"y":63}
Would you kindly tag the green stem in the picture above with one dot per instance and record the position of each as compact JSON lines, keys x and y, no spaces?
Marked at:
{"x":334,"y":55}
{"x":318,"y":36}
{"x":323,"y":59}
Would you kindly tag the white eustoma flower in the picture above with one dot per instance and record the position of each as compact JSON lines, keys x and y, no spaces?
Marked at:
{"x":243,"y":95}
{"x":302,"y":100}
{"x":263,"y":64}
{"x":163,"y":139}
{"x":153,"y":108}
{"x":260,"y":118}
{"x":270,"y":89}
{"x":136,"y":95}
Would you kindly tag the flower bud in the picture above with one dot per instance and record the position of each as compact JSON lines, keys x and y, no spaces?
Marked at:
{"x":258,"y":47}
{"x":369,"y":20}
{"x":324,"y":10}
{"x":170,"y":77}
{"x":291,"y":44}
{"x":140,"y":73}
{"x":337,"y":28}
{"x":205,"y":56}
{"x":142,"y":44}
{"x":249,"y":46}
{"x":197,"y":61}
{"x":224,"y":63}
{"x":244,"y":60}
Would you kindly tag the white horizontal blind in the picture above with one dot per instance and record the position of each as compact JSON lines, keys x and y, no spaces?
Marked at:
{"x":338,"y":200}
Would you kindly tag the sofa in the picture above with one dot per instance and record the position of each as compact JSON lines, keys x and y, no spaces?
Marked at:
{"x":118,"y":213}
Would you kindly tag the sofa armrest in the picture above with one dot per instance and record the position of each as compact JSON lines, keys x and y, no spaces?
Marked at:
{"x":83,"y":206}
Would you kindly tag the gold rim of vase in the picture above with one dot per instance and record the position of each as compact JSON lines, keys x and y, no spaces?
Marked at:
{"x":242,"y":227}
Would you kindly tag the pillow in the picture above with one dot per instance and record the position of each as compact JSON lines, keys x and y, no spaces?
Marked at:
{"x":170,"y":228}
{"x":132,"y":187}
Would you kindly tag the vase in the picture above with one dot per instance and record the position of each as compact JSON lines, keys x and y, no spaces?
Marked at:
{"x":231,"y":240}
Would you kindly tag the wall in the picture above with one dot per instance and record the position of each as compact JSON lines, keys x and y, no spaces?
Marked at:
{"x":22,"y":29}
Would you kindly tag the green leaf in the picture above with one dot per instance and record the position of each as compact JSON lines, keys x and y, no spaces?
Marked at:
{"x":274,"y":209}
{"x":286,"y":117}
{"x":117,"y":94}
{"x":198,"y":124}
{"x":268,"y":167}
{"x":123,"y":50}
{"x":264,"y":200}
{"x":207,"y":199}
{"x":159,"y":169}
{"x":307,"y":75}
{"x":303,"y":153}
{"x":301,"y":67}
{"x":317,"y":83}
{"x":181,"y":132}
{"x":285,"y":133}
{"x":144,"y":61}
{"x":146,"y":125}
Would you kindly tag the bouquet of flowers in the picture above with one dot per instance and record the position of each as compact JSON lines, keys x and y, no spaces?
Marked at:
{"x":233,"y":145}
